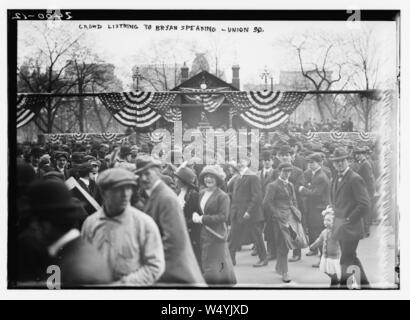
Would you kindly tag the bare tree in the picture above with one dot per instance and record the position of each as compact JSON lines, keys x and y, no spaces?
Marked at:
{"x":364,"y":61}
{"x":45,"y":72}
{"x":317,"y":59}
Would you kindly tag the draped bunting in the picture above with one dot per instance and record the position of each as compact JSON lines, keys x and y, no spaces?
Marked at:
{"x":206,"y":97}
{"x":342,"y":138}
{"x":265,"y":109}
{"x":28,"y":106}
{"x":84,"y":137}
{"x":140,"y":109}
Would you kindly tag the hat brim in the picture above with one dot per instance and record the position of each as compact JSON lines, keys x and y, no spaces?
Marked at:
{"x":219,"y":181}
{"x":338,"y":158}
{"x":147,"y":166}
{"x":121,"y":184}
{"x":185,"y":181}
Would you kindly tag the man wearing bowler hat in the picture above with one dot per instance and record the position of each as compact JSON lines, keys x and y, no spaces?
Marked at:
{"x":317,"y":195}
{"x":350,"y":203}
{"x":128,"y":238}
{"x":181,"y":266}
{"x":365,"y":170}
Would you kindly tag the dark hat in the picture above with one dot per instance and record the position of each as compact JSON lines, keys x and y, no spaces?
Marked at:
{"x":37,"y":151}
{"x":145,"y":162}
{"x":60,"y":154}
{"x":361,"y":150}
{"x":186,"y":175}
{"x":125,"y":151}
{"x":77,"y":157}
{"x":89,"y":158}
{"x":84,"y":169}
{"x":50,"y":197}
{"x":115,"y":177}
{"x":25,"y":174}
{"x":54,"y":175}
{"x":214,"y":170}
{"x":285,"y":149}
{"x":266,"y":155}
{"x":315,"y":157}
{"x":285,"y":166}
{"x":339,"y":154}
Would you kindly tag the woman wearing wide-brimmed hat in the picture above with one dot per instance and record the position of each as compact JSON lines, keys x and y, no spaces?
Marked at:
{"x":214,"y":206}
{"x":188,"y":197}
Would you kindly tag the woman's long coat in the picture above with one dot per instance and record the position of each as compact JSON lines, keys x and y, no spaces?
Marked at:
{"x":216,"y":260}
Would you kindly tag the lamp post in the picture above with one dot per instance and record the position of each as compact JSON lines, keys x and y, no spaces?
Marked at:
{"x":264,"y":76}
{"x":136,"y":76}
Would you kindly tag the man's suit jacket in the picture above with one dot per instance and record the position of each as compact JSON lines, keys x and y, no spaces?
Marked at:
{"x":265,"y":181}
{"x":297,"y":178}
{"x":300,"y":162}
{"x":365,"y":170}
{"x":181,"y":266}
{"x":350,"y":201}
{"x":278,"y":200}
{"x":247,"y":197}
{"x":90,"y":188}
{"x":317,"y":195}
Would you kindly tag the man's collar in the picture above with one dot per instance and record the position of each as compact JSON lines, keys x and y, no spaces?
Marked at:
{"x":149,"y":191}
{"x":344,"y":172}
{"x":317,"y":170}
{"x":56,"y":246}
{"x":283,"y":180}
{"x":86,"y":181}
{"x":243,"y":171}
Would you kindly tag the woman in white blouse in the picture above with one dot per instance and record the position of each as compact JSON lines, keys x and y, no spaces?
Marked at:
{"x":214,"y":207}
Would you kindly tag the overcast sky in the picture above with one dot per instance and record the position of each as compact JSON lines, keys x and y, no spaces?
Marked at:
{"x":251,"y":50}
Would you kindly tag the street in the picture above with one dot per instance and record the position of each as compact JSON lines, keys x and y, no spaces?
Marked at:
{"x":378,"y":267}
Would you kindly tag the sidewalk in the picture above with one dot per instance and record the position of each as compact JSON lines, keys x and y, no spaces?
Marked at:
{"x":378,"y":266}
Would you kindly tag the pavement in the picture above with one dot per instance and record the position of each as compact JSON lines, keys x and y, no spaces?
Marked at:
{"x":377,"y":254}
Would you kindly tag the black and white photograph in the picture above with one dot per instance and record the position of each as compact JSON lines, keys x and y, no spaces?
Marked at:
{"x":195,"y":149}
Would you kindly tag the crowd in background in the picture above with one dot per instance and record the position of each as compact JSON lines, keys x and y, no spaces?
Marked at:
{"x":130,"y":219}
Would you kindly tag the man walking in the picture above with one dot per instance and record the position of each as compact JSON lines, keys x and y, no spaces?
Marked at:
{"x":181,"y":266}
{"x":317,"y":194}
{"x":127,"y":238}
{"x":350,"y":201}
{"x":246,"y":206}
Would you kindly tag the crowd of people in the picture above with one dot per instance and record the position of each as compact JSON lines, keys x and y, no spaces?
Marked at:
{"x":157,"y":224}
{"x":313,"y":125}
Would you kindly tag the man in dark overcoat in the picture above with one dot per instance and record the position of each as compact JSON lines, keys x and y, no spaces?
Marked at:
{"x":350,"y":203}
{"x":181,"y":266}
{"x":246,"y":207}
{"x":317,"y":195}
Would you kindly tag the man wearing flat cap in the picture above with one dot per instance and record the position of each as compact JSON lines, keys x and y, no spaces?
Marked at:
{"x":317,"y":195}
{"x":128,"y":238}
{"x":350,"y":203}
{"x":297,"y":178}
{"x":279,"y":198}
{"x":61,"y":160}
{"x":181,"y":266}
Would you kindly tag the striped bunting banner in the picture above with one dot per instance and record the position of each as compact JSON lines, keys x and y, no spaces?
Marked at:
{"x":210,"y":101}
{"x":265,"y":109}
{"x":28,"y":106}
{"x":140,"y":109}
